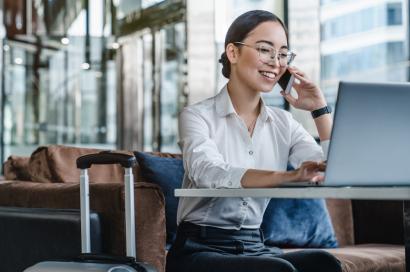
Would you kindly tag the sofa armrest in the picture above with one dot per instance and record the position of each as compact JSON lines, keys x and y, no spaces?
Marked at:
{"x":340,"y":211}
{"x":108,"y":200}
{"x":378,"y":221}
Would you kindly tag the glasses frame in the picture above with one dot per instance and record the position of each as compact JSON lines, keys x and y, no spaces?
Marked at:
{"x":274,"y":56}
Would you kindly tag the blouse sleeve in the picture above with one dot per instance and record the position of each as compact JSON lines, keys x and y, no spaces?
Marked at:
{"x":303,"y":146}
{"x":203,"y":163}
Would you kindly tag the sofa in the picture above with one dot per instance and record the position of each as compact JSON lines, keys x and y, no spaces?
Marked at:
{"x":369,"y":233}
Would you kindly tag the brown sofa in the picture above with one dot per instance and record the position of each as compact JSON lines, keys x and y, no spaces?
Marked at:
{"x":369,"y":232}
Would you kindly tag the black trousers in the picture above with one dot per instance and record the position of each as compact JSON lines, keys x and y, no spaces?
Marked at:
{"x":209,"y":249}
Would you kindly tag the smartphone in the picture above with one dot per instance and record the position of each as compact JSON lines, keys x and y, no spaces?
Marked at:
{"x":286,"y":81}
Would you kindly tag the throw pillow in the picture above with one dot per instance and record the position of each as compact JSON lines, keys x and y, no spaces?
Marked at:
{"x":168,"y":173}
{"x":302,"y":223}
{"x":57,"y":163}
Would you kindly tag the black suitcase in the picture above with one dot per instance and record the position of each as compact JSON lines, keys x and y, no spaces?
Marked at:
{"x":32,"y":235}
{"x":92,"y":262}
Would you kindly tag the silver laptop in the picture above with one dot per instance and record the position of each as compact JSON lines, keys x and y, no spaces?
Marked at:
{"x":370,"y":142}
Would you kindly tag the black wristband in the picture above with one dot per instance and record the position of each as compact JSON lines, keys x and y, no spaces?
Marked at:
{"x":321,"y":111}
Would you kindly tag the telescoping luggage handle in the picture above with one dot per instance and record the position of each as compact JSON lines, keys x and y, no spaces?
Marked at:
{"x":107,"y":157}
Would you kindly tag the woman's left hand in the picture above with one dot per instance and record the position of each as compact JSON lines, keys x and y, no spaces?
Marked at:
{"x":310,"y":96}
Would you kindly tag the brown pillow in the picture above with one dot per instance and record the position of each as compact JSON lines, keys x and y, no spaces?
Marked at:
{"x":57,"y":163}
{"x":16,"y":168}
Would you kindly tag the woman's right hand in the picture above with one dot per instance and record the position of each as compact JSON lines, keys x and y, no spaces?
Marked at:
{"x":310,"y":171}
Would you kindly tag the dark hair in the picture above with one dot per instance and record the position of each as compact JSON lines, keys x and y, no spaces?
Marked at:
{"x":241,"y":27}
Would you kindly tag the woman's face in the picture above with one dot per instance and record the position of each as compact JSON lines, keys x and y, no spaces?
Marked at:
{"x":249,"y":68}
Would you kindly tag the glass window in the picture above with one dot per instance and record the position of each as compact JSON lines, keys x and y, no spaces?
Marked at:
{"x":148,"y":85}
{"x":352,"y":44}
{"x":60,"y":88}
{"x":356,"y":22}
{"x":126,"y":7}
{"x":372,"y":63}
{"x":324,"y":2}
{"x":148,"y":3}
{"x":394,"y":14}
{"x":172,"y":84}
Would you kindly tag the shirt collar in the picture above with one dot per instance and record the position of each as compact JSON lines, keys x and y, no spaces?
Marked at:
{"x":224,"y":106}
{"x":265,"y":114}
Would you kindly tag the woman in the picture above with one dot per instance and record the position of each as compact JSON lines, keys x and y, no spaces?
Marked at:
{"x":233,"y":140}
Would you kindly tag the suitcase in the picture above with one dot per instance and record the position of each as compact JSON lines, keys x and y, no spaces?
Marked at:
{"x":91,"y":262}
{"x":32,"y":235}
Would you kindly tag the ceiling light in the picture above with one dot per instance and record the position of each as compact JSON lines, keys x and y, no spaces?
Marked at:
{"x":65,"y":40}
{"x":115,"y":45}
{"x":18,"y":61}
{"x":85,"y":66}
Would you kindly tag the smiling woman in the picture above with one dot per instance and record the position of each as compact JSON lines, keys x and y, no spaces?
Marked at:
{"x":234,"y":140}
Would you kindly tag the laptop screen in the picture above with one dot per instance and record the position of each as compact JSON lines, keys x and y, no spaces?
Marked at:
{"x":370,"y":142}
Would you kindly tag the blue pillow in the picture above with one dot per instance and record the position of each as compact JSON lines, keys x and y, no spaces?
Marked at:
{"x":290,"y":223}
{"x":168,"y":173}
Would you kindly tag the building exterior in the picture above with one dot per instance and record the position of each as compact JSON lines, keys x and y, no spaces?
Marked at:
{"x":304,"y":40}
{"x":363,"y":41}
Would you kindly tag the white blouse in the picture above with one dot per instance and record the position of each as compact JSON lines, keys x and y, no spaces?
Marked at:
{"x":218,"y":149}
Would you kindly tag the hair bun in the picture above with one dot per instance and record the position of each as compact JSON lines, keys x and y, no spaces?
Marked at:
{"x":226,"y":65}
{"x":223,"y":58}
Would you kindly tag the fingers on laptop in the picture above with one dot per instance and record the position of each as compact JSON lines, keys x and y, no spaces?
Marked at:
{"x":310,"y":170}
{"x":318,"y":179}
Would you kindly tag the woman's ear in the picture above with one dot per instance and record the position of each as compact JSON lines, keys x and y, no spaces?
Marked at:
{"x":232,"y":53}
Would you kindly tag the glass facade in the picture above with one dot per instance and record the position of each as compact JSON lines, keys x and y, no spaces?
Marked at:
{"x":363,"y":20}
{"x":172,"y":82}
{"x":364,"y":59}
{"x":154,"y":67}
{"x":59,"y":75}
{"x":52,"y":98}
{"x":324,"y":2}
{"x":362,"y":43}
{"x":357,"y":41}
{"x":304,"y":38}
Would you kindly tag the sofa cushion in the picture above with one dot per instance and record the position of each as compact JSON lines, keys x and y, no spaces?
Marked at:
{"x":368,"y":257}
{"x":56,"y":163}
{"x":371,"y":258}
{"x":298,"y":223}
{"x":168,"y":174}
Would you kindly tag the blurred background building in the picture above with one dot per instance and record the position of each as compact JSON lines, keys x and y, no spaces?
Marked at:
{"x":116,"y":73}
{"x":363,"y":41}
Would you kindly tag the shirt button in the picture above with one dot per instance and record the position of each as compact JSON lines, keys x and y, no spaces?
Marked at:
{"x":251,"y":152}
{"x":244,"y":203}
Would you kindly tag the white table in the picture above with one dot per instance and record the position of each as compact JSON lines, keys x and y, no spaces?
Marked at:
{"x":384,"y":193}
{"x":369,"y":193}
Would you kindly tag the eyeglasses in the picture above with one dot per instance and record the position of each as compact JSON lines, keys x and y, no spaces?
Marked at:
{"x":268,"y":54}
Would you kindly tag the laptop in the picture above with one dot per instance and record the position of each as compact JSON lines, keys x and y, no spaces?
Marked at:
{"x":370,"y":141}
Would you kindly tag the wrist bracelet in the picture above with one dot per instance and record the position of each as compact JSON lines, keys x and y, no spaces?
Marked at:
{"x":321,"y":111}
